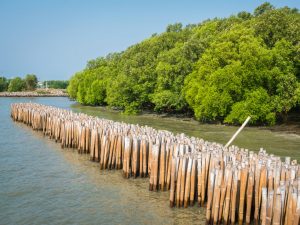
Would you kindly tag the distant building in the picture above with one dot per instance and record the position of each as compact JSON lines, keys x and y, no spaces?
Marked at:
{"x":40,"y":84}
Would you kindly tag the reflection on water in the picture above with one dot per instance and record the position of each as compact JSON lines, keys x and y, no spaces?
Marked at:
{"x":42,"y":184}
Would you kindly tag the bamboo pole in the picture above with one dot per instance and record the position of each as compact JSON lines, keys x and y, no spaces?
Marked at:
{"x":216,"y":196}
{"x":154,"y":169}
{"x":178,"y":183}
{"x":182,"y":180}
{"x":237,"y":132}
{"x":173,"y":182}
{"x":162,"y":166}
{"x":234,"y":198}
{"x":249,"y":197}
{"x":200,"y":181}
{"x":277,"y":209}
{"x":244,"y":180}
{"x":210,"y":196}
{"x":263,"y":210}
{"x":188,"y":183}
{"x":296,"y":219}
{"x":193,"y":181}
{"x":227,"y":194}
{"x":234,"y":183}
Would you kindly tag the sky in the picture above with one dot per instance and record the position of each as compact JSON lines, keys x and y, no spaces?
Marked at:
{"x":54,"y":39}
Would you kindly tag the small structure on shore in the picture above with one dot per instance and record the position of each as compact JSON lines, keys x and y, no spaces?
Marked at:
{"x":234,"y":184}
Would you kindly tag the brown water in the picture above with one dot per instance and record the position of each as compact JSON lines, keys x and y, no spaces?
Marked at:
{"x":42,"y":184}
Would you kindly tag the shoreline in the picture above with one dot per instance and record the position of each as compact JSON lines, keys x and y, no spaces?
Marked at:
{"x":36,"y":93}
{"x":31,"y":96}
{"x":290,"y":127}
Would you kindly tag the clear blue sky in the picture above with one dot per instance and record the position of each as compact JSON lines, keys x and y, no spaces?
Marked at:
{"x":54,"y":39}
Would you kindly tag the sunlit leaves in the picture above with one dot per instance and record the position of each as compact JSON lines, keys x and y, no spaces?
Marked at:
{"x":221,"y":69}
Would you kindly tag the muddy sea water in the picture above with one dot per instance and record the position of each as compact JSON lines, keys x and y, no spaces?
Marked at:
{"x":42,"y":184}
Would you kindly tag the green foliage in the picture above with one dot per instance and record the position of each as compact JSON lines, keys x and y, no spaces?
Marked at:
{"x":3,"y":84}
{"x":219,"y":76}
{"x":257,"y":104}
{"x":16,"y":84}
{"x":167,"y":101}
{"x":96,"y":93}
{"x":73,"y":85}
{"x":31,"y":82}
{"x":238,"y":63}
{"x":221,"y":69}
{"x":244,"y":15}
{"x":263,"y":8}
{"x":177,"y":27}
{"x":278,"y":24}
{"x":56,"y":84}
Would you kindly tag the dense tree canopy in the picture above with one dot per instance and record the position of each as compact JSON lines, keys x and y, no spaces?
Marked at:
{"x":16,"y":84}
{"x":220,"y":69}
{"x":3,"y":84}
{"x":31,"y":82}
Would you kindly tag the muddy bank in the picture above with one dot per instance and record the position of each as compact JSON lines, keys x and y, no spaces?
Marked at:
{"x":292,"y":126}
{"x":289,"y":128}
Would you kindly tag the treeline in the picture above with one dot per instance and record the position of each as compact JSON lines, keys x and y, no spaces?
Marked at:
{"x":219,"y":70}
{"x":56,"y":84}
{"x":29,"y":83}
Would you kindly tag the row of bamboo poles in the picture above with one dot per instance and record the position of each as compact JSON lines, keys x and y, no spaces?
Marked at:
{"x":235,"y":185}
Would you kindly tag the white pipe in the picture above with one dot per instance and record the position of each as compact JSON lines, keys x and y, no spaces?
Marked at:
{"x":237,"y":132}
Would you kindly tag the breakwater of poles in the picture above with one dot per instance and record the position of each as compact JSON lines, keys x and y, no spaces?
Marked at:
{"x":235,"y":185}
